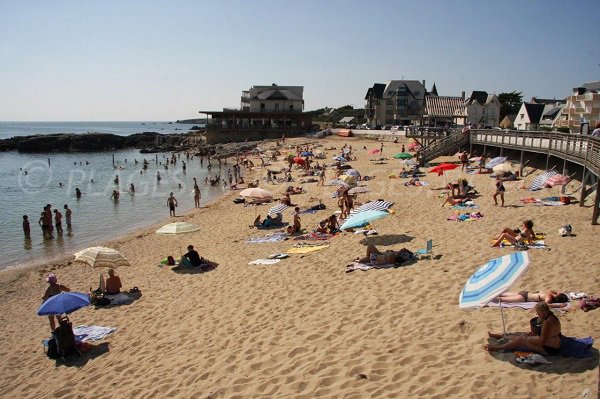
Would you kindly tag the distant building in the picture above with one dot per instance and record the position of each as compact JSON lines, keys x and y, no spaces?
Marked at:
{"x":529,"y":116}
{"x":507,"y":122}
{"x":482,"y":109}
{"x":266,"y":112}
{"x":345,"y":121}
{"x":444,"y":110}
{"x":582,"y":108}
{"x":397,"y":102}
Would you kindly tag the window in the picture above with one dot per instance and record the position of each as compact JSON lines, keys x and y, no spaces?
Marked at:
{"x":389,"y":102}
{"x":276,"y":106}
{"x":291,"y":107}
{"x":262,"y":106}
{"x":522,"y":117}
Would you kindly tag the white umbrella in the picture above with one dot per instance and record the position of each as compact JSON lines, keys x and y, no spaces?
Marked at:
{"x":101,"y":257}
{"x":176,"y":229}
{"x":257,"y":193}
{"x":503,"y":167}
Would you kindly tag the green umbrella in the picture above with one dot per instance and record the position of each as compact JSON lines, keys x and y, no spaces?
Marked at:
{"x":403,"y":155}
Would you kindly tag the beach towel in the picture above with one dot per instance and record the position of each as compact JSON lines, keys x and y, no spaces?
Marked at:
{"x":314,"y":237}
{"x":364,"y":266}
{"x":93,"y":333}
{"x":465,"y":217}
{"x":576,"y":347}
{"x":264,"y":261}
{"x":308,"y":211}
{"x":275,"y":237}
{"x":523,"y":305}
{"x":306,"y":248}
{"x":530,"y":358}
{"x":539,"y":244}
{"x":465,"y":205}
{"x":119,"y":299}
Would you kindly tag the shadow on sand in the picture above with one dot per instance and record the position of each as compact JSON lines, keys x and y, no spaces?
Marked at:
{"x":80,"y":361}
{"x":559,"y":365}
{"x":386,"y":239}
{"x":210,"y":266}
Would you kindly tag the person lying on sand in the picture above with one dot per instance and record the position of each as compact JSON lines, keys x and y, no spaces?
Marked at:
{"x":517,"y":236}
{"x":376,"y":257}
{"x":554,"y":299}
{"x":547,"y":343}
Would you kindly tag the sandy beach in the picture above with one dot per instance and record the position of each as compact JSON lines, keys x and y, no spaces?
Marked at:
{"x":304,"y":328}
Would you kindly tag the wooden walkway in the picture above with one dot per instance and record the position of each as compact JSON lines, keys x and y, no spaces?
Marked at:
{"x":581,"y":150}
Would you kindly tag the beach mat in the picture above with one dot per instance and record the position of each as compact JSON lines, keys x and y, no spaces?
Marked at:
{"x":304,"y":249}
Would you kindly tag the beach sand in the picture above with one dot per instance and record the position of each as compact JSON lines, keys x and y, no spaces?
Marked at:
{"x":303,"y":328}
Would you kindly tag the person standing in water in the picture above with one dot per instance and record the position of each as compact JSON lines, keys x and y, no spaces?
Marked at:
{"x":196,"y":196}
{"x":67,"y":215}
{"x":172,"y":203}
{"x":26,"y":228}
{"x":77,"y":193}
{"x":58,"y":221}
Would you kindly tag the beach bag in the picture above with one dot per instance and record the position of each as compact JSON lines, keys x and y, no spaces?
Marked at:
{"x":65,"y":338}
{"x":52,"y":349}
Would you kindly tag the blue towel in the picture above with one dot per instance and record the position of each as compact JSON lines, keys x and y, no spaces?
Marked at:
{"x":576,"y":347}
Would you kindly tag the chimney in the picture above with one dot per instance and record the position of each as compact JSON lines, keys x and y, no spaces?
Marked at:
{"x":424,"y":84}
{"x":462,"y":95}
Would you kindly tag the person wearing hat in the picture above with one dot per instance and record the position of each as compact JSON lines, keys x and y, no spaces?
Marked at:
{"x":53,"y":289}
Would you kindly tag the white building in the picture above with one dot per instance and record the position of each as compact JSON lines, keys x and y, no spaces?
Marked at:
{"x":273,"y":98}
{"x":482,"y":109}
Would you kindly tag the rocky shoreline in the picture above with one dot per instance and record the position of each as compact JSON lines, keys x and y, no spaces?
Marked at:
{"x":146,"y":142}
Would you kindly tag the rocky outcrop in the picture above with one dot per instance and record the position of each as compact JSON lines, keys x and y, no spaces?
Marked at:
{"x":147,"y":142}
{"x":90,"y":142}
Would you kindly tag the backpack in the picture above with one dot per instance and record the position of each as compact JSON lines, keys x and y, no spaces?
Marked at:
{"x":65,"y":338}
{"x":52,"y":349}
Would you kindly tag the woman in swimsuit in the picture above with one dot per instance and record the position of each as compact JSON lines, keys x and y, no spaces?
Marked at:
{"x":376,"y":257}
{"x":499,"y":191}
{"x":554,"y":299}
{"x":547,"y":343}
{"x":517,"y":236}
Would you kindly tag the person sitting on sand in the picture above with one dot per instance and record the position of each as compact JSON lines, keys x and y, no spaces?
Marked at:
{"x":113,"y":283}
{"x":53,"y":289}
{"x":376,"y":257}
{"x":192,"y":257}
{"x":332,"y":224}
{"x":517,"y":236}
{"x":322,"y":227}
{"x":554,"y":299}
{"x":547,"y":343}
{"x":286,"y":200}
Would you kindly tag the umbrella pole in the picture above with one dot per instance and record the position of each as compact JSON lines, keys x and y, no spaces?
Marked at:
{"x":502,"y":315}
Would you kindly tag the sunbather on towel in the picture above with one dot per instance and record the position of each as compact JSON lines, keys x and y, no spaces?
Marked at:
{"x":517,"y":236}
{"x":554,"y":299}
{"x":113,"y":283}
{"x":376,"y":257}
{"x":547,"y":343}
{"x":192,"y":257}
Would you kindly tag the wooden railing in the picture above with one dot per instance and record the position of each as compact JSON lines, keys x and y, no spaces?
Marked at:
{"x":446,"y":145}
{"x":583,"y":150}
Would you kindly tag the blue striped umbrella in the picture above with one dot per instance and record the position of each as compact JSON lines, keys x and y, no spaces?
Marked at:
{"x":539,"y":182}
{"x":492,"y":279}
{"x":363,"y":218}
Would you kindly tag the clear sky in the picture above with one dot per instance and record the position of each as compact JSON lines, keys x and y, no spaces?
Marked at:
{"x":166,"y":60}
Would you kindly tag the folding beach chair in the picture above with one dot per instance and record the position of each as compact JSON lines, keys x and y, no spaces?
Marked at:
{"x":425,"y":252}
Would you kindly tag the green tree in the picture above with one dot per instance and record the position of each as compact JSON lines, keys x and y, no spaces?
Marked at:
{"x":510,"y":103}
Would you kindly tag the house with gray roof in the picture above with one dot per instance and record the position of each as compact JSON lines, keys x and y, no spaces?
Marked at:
{"x":273,"y":98}
{"x":396,"y":102}
{"x":529,"y":116}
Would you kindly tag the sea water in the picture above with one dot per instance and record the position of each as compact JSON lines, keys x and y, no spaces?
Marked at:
{"x":30,"y":181}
